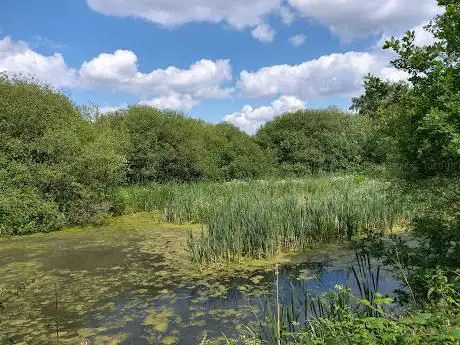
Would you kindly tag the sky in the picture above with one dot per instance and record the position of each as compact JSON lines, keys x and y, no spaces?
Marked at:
{"x":240,"y":61}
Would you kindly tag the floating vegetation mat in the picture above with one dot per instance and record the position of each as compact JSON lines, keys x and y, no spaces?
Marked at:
{"x":131,"y":282}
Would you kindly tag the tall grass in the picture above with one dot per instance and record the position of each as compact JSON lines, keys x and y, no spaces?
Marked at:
{"x":260,"y":226}
{"x":259,"y":219}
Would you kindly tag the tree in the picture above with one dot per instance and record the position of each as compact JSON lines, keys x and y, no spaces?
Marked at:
{"x":312,"y":141}
{"x":52,"y":169}
{"x":378,"y":94}
{"x":427,"y":123}
{"x":164,"y":146}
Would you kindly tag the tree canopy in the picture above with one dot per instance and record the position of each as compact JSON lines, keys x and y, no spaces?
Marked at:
{"x":312,"y":141}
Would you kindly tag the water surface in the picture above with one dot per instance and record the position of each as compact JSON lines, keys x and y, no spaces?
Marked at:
{"x":131,"y":283}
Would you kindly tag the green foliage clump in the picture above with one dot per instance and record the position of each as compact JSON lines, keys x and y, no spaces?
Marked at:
{"x":421,"y":118}
{"x":22,"y":212}
{"x":313,"y":141}
{"x":54,"y":164}
{"x":164,"y":146}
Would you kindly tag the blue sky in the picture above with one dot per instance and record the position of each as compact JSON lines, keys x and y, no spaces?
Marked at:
{"x":244,"y":61}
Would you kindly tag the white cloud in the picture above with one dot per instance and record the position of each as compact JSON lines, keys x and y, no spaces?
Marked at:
{"x":250,"y":119}
{"x":287,"y":16}
{"x":111,"y":109}
{"x":297,"y":40}
{"x":177,"y":102}
{"x":422,"y":36}
{"x":172,"y":102}
{"x":264,"y":33}
{"x":350,"y":18}
{"x":18,"y":58}
{"x":115,"y":70}
{"x":347,"y":18}
{"x":119,"y":71}
{"x":170,"y":87}
{"x":335,"y":74}
{"x":238,"y":13}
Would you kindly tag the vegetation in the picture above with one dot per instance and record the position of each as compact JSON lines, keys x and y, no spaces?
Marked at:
{"x":421,"y":118}
{"x":312,"y":141}
{"x":164,"y":146}
{"x":263,"y":220}
{"x":54,"y":164}
{"x":428,"y":306}
{"x":63,"y":165}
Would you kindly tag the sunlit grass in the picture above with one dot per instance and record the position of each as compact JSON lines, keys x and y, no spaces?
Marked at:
{"x":260,"y":219}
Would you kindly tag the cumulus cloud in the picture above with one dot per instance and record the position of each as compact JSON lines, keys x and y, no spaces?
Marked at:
{"x":238,"y":13}
{"x":329,"y":75}
{"x":172,"y":102}
{"x":350,"y":18}
{"x":18,"y":58}
{"x":177,"y":102}
{"x":264,"y":33}
{"x":119,"y":71}
{"x":170,"y":87}
{"x":422,"y":36}
{"x":250,"y":119}
{"x":297,"y":40}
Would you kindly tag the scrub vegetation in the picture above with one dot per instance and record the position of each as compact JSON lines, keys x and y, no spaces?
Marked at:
{"x":305,"y":178}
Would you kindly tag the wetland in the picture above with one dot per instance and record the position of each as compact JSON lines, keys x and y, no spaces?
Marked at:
{"x":130,"y":282}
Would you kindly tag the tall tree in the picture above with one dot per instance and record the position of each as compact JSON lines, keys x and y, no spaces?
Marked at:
{"x":430,"y":115}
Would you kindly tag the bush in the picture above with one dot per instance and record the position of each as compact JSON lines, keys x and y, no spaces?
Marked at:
{"x":312,"y":141}
{"x":165,"y":146}
{"x":54,"y":163}
{"x":22,"y":211}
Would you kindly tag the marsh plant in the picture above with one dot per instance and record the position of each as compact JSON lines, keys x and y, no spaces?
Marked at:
{"x":263,"y":219}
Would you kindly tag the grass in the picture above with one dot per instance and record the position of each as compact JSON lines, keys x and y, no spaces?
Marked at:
{"x":260,"y":219}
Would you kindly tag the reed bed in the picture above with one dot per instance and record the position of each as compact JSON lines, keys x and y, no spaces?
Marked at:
{"x":258,"y":219}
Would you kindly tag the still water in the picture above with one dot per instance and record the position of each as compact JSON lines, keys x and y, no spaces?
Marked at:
{"x":130,"y":283}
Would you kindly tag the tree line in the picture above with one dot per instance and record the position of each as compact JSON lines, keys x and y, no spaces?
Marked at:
{"x":58,"y":165}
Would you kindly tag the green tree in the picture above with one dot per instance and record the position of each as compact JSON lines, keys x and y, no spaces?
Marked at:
{"x":54,"y":164}
{"x":427,"y":122}
{"x":313,"y":141}
{"x":164,"y":146}
{"x":378,"y":94}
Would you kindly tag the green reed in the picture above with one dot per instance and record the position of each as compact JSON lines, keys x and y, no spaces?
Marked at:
{"x":258,"y":219}
{"x":262,"y":224}
{"x":284,"y":321}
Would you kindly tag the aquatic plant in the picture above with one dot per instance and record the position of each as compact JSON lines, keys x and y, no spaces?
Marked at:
{"x":264,"y":219}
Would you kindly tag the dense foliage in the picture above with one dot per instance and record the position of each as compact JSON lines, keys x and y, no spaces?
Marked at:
{"x":59,"y":163}
{"x":313,"y":141}
{"x":54,"y":165}
{"x":165,"y":146}
{"x":422,"y":118}
{"x":262,"y":220}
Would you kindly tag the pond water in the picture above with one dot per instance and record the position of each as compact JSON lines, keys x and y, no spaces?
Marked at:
{"x":130,"y":283}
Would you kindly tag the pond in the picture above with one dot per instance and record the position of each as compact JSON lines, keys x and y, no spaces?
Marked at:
{"x":130,"y":283}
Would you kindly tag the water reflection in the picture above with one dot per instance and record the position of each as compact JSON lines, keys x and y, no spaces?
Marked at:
{"x":214,"y":308}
